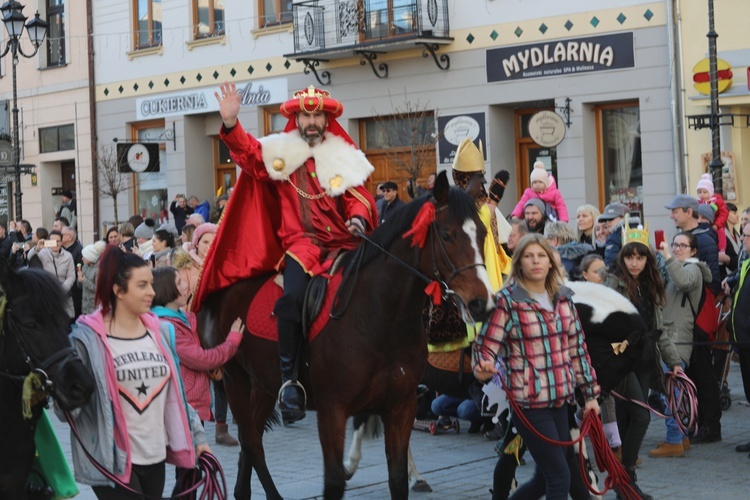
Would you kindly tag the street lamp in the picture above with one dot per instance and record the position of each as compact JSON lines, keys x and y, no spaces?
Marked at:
{"x":716,"y":164}
{"x":14,"y":20}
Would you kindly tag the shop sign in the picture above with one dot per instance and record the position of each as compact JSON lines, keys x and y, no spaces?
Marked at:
{"x":702,"y":76}
{"x":454,"y":129}
{"x":547,"y":129}
{"x":203,"y":100}
{"x":6,"y":153}
{"x":138,"y":157}
{"x":561,"y":57}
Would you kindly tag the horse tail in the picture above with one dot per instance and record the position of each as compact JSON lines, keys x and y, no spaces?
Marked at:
{"x":373,"y":426}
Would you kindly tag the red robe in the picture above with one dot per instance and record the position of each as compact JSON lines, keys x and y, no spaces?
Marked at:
{"x":266,"y":217}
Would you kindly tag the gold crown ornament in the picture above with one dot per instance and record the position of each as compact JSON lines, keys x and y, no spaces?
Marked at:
{"x":312,"y":100}
{"x":468,"y":157}
{"x":637,"y":234}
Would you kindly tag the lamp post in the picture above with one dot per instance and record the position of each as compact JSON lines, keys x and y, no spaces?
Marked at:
{"x":716,"y":164}
{"x":14,"y":20}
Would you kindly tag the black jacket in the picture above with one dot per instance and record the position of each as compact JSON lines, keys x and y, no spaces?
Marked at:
{"x":708,"y":251}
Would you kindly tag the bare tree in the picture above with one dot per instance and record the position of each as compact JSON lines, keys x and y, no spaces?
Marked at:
{"x":408,"y":136}
{"x":112,"y":182}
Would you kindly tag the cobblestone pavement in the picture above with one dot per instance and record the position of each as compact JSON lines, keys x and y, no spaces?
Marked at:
{"x":459,"y":466}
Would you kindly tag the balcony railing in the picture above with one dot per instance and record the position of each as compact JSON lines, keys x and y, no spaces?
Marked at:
{"x":334,"y":29}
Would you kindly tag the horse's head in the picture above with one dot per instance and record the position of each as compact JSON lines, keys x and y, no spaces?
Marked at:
{"x":454,"y":251}
{"x":34,"y":335}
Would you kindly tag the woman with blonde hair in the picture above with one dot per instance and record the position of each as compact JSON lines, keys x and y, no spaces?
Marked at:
{"x":586,"y":216}
{"x":536,"y":331}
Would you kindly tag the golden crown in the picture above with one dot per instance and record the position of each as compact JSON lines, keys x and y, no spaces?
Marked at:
{"x":634,"y":234}
{"x":311,"y":91}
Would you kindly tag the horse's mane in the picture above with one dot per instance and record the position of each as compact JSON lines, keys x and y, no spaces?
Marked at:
{"x":460,"y":207}
{"x":45,"y":296}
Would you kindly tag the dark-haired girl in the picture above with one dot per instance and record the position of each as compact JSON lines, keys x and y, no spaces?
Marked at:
{"x":137,"y":418}
{"x":636,"y":276}
{"x":163,"y":243}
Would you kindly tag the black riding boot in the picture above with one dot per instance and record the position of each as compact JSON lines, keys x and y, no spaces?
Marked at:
{"x":634,"y":485}
{"x":291,"y":395}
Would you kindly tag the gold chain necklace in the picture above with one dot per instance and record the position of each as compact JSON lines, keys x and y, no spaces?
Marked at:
{"x":302,"y":193}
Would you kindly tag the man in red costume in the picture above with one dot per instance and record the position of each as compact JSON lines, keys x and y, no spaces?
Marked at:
{"x":314,"y":176}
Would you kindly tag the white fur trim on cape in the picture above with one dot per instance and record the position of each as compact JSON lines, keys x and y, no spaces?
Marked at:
{"x":334,"y":157}
{"x":602,"y":299}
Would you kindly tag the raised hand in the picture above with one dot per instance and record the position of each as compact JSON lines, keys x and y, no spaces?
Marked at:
{"x":229,"y":103}
{"x":237,"y":326}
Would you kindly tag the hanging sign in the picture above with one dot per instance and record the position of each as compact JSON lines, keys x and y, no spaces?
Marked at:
{"x":547,"y":129}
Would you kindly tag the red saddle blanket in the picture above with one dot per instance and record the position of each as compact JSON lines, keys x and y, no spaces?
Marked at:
{"x":261,"y":322}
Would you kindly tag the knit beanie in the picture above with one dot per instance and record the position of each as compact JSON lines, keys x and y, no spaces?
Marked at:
{"x":707,"y":211}
{"x":93,"y":251}
{"x":706,"y":183}
{"x":206,"y":227}
{"x":145,"y":230}
{"x":170,"y":228}
{"x":537,"y":203}
{"x":539,"y":173}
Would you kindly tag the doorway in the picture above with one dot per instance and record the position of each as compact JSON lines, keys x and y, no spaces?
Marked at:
{"x":528,"y":152}
{"x":68,"y":173}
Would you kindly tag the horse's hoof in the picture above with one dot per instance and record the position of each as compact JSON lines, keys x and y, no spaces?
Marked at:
{"x":348,"y":475}
{"x":421,"y":486}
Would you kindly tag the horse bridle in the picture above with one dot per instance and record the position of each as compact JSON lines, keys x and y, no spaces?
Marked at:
{"x":51,"y":365}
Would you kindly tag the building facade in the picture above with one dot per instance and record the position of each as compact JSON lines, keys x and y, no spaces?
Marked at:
{"x":482,"y":69}
{"x":733,"y":46}
{"x":54,"y":103}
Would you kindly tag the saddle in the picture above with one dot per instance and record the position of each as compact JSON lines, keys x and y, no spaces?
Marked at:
{"x":320,"y":293}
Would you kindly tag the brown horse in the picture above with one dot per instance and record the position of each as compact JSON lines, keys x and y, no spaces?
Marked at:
{"x":370,"y":358}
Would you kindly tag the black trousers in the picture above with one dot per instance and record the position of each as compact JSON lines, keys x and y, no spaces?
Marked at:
{"x":745,"y":371}
{"x":289,"y":306}
{"x":632,"y":419}
{"x":148,"y":479}
{"x":703,"y":376}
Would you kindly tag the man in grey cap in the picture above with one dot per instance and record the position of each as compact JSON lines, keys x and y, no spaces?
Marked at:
{"x":614,"y":215}
{"x":534,"y":215}
{"x":685,"y":216}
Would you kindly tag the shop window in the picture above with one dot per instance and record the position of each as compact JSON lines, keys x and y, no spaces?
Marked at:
{"x":273,"y":121}
{"x":393,"y":132}
{"x":56,"y":37}
{"x":148,"y":21}
{"x":619,"y":148}
{"x":61,"y":138}
{"x":151,"y":187}
{"x":209,"y":18}
{"x":274,"y":12}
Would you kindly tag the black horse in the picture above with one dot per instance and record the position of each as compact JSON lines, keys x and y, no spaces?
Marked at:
{"x":33,"y":340}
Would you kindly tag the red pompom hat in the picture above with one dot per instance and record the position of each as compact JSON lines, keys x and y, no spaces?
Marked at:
{"x":312,"y":100}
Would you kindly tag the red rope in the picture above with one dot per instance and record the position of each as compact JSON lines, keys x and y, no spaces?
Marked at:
{"x":617,"y":476}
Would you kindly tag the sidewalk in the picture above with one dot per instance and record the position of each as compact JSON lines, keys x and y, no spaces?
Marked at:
{"x":460,"y":466}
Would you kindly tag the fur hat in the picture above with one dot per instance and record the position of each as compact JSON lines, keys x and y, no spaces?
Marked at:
{"x":145,"y":230}
{"x":93,"y":251}
{"x":180,"y":258}
{"x":706,"y":183}
{"x":539,"y":173}
{"x":204,"y":228}
{"x":497,"y":187}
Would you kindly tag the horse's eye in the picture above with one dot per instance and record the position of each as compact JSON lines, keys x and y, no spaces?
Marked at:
{"x":445,"y":236}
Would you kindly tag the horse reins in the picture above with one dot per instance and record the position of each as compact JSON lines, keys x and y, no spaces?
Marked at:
{"x":213,"y":481}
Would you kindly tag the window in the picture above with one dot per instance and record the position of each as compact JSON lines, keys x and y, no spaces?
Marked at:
{"x":274,"y":121}
{"x":151,"y":187}
{"x":386,"y":18}
{"x":275,"y":12}
{"x":148,"y":18}
{"x":619,"y":148}
{"x":60,"y":138}
{"x":56,"y":37}
{"x":390,"y":132}
{"x":209,"y":18}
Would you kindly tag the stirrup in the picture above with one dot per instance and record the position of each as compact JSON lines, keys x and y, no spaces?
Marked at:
{"x":293,"y":383}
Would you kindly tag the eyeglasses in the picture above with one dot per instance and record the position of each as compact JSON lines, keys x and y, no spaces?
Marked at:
{"x":681,"y":246}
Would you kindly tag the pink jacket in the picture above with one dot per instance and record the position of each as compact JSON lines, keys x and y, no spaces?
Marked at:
{"x":551,"y":195}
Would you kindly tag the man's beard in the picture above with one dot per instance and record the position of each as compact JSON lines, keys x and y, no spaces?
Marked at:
{"x":312,"y":139}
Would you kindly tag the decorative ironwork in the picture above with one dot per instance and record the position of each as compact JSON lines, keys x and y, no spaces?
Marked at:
{"x":348,"y":19}
{"x":311,"y":65}
{"x":370,"y":56}
{"x":168,"y":135}
{"x":565,"y":110}
{"x":444,"y":63}
{"x":698,"y":122}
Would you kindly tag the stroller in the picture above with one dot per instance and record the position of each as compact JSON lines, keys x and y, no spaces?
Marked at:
{"x":722,"y":351}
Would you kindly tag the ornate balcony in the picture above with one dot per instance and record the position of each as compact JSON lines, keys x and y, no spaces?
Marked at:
{"x":335,"y":29}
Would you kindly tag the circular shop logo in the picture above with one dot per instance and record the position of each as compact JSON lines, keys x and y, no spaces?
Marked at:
{"x":309,"y":29}
{"x":138,"y":158}
{"x":547,"y":129}
{"x":459,"y":128}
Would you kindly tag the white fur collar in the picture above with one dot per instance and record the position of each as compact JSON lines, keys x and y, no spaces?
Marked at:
{"x":338,"y":164}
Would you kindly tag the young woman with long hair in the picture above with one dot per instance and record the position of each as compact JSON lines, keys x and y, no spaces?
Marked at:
{"x":137,"y":418}
{"x":536,"y":331}
{"x":636,"y":276}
